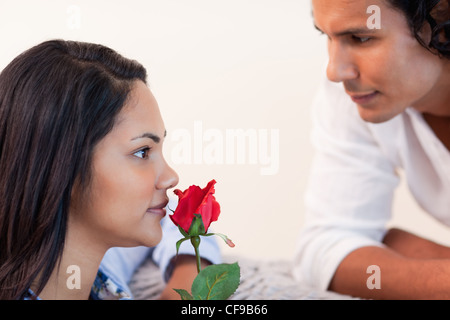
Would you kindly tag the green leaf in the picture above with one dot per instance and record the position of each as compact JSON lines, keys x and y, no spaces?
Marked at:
{"x":184,"y":294}
{"x":179,"y":242}
{"x":183,"y":232}
{"x":216,"y":282}
{"x":197,"y":227}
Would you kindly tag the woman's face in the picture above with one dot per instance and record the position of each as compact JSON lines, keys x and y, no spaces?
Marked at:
{"x":130,"y":177}
{"x":384,"y":70}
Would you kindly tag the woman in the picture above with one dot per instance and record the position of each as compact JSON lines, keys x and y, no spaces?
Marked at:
{"x":82,"y":171}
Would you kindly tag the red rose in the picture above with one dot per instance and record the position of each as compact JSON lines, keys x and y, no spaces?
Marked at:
{"x":195,"y":200}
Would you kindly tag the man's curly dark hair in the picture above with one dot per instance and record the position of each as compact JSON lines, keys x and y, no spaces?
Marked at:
{"x":434,"y":12}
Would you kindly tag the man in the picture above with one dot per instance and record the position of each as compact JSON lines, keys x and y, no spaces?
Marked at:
{"x":389,"y":111}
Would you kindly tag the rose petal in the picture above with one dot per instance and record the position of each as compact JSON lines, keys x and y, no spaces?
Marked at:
{"x":196,"y":200}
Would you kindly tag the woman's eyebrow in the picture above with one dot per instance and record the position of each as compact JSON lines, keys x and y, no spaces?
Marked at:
{"x":149,"y":135}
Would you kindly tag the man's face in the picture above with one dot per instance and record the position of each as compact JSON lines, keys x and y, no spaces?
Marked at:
{"x":383,"y":70}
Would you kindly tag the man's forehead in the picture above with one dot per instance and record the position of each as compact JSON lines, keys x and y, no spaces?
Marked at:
{"x":342,"y":6}
{"x":342,"y":16}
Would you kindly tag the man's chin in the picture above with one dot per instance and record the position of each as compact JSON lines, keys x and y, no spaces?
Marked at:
{"x":373,"y":115}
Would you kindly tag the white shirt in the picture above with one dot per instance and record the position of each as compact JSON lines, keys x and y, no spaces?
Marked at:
{"x":353,"y":177}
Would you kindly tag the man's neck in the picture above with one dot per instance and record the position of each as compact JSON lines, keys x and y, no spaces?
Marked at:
{"x":437,"y":101}
{"x":440,"y":126}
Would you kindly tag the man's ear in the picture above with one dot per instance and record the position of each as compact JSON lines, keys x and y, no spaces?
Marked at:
{"x":438,"y":16}
{"x":441,"y":12}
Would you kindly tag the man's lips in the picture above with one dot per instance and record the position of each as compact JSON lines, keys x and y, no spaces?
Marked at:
{"x":362,"y":98}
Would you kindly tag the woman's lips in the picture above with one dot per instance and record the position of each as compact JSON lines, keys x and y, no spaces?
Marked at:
{"x":161,"y":212}
{"x":159,"y":209}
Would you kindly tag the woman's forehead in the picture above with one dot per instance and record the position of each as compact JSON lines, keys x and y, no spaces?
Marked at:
{"x":140,"y":114}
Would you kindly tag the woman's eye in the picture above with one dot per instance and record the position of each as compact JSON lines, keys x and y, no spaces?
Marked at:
{"x":143,"y":153}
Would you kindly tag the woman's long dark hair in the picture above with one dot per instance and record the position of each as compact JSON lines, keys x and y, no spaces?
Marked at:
{"x":434,"y":12}
{"x":57,"y":101}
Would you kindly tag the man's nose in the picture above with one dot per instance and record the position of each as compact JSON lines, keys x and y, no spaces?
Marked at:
{"x":341,"y":66}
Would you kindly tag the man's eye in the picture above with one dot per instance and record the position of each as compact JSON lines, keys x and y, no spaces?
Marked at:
{"x":143,"y":153}
{"x":361,"y":39}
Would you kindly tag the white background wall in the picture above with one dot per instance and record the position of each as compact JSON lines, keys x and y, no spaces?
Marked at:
{"x":227,"y":65}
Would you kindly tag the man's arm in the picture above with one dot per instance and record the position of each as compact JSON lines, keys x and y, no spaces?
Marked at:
{"x":410,"y":268}
{"x":179,"y":270}
{"x":183,"y":275}
{"x":413,"y":246}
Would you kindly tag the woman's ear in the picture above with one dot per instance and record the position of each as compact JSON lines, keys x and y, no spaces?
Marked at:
{"x":78,"y":195}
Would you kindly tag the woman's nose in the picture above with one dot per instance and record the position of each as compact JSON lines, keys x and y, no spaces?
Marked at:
{"x":168,"y":179}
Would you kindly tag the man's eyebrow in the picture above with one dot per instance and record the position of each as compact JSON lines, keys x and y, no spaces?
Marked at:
{"x":350,"y":31}
{"x":150,"y":135}
{"x":318,"y":29}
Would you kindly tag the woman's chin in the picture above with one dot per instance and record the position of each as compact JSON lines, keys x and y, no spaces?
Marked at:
{"x":144,"y":236}
{"x":151,"y":238}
